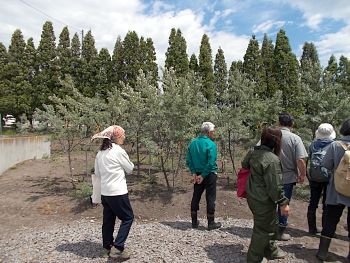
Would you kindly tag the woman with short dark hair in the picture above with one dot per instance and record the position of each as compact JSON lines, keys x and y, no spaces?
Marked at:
{"x":264,"y":193}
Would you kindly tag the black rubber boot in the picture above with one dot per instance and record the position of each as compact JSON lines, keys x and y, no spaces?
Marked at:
{"x":311,"y":219}
{"x":211,"y":223}
{"x":195,"y":222}
{"x":281,"y":235}
{"x":323,"y":247}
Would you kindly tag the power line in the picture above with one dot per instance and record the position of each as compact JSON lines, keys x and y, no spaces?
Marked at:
{"x":49,"y":15}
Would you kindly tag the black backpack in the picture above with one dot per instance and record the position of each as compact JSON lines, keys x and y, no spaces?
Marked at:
{"x":317,"y":172}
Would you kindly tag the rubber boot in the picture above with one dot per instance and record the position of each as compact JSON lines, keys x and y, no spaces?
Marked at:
{"x":281,"y":235}
{"x":311,"y":219}
{"x":323,"y":248}
{"x":275,"y":254}
{"x":211,"y":223}
{"x":195,"y":221}
{"x":324,"y":214}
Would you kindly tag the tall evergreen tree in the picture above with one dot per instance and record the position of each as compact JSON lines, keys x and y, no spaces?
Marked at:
{"x":267,"y":82}
{"x":286,"y":74}
{"x":344,"y":73}
{"x":147,"y":59}
{"x":89,"y":66}
{"x":152,"y":67}
{"x":45,"y":80}
{"x":205,"y":69}
{"x":176,"y":55}
{"x":308,"y":61}
{"x":236,"y":65}
{"x":332,"y":67}
{"x":170,"y":53}
{"x":220,"y":73}
{"x":193,"y":63}
{"x":16,"y":48}
{"x":89,"y":51}
{"x":3,"y":90}
{"x":253,"y":65}
{"x":29,"y":74}
{"x":311,"y":81}
{"x":117,"y":62}
{"x":63,"y":57}
{"x":76,"y":63}
{"x":130,"y":58}
{"x":64,"y":53}
{"x":15,"y":85}
{"x":104,"y":65}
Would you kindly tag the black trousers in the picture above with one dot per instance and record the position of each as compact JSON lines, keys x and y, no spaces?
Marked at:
{"x":209,"y":185}
{"x":334,"y":213}
{"x":113,"y":207}
{"x":316,"y":190}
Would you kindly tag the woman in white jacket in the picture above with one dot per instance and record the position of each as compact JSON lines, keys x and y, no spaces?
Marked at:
{"x":111,"y":164}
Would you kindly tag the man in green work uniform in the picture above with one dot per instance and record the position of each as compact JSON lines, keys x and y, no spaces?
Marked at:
{"x":201,"y":159}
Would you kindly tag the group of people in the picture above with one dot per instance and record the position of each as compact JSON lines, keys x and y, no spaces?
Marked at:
{"x":276,"y":164}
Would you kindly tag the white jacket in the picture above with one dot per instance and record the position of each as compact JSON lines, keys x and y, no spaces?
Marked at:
{"x":111,"y":166}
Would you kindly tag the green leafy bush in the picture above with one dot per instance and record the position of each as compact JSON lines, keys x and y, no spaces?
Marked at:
{"x":85,"y":191}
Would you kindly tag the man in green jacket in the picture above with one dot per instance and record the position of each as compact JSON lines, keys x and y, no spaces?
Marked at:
{"x":201,"y":160}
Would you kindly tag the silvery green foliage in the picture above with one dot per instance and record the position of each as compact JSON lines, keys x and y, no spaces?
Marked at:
{"x":325,"y":101}
{"x":244,"y":114}
{"x":176,"y":117}
{"x":73,"y":117}
{"x":140,"y":102}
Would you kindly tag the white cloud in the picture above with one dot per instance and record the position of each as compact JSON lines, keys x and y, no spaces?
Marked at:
{"x":267,"y":25}
{"x":159,"y":6}
{"x":234,"y":46}
{"x":214,"y":19}
{"x":154,"y":19}
{"x":336,"y":44}
{"x":314,"y":11}
{"x":227,"y":12}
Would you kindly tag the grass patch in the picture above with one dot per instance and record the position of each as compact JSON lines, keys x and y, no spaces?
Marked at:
{"x":302,"y":192}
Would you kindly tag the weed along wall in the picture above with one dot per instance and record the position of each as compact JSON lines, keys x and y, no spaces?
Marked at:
{"x":16,"y":149}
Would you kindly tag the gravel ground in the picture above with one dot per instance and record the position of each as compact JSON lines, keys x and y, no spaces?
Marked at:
{"x":171,"y":241}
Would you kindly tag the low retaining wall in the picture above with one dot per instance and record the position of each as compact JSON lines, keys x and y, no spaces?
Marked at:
{"x":16,"y":149}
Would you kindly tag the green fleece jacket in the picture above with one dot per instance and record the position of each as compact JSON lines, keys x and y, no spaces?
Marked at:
{"x":201,"y":156}
{"x":265,"y":180}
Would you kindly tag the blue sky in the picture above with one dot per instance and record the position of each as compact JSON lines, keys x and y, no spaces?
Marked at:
{"x":229,"y":24}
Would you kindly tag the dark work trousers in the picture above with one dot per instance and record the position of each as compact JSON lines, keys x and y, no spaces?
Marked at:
{"x":209,"y":185}
{"x":333,"y":215}
{"x":113,"y":207}
{"x":316,"y":190}
{"x":264,"y":230}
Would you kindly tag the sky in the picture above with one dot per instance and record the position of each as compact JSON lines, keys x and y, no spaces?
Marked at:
{"x":229,"y":24}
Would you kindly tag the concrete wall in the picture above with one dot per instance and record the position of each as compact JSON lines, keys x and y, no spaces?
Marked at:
{"x":16,"y":149}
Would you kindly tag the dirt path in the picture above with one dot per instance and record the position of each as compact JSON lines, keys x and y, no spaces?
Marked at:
{"x":38,"y":193}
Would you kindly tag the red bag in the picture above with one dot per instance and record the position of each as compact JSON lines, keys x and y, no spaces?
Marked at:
{"x":242,"y":177}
